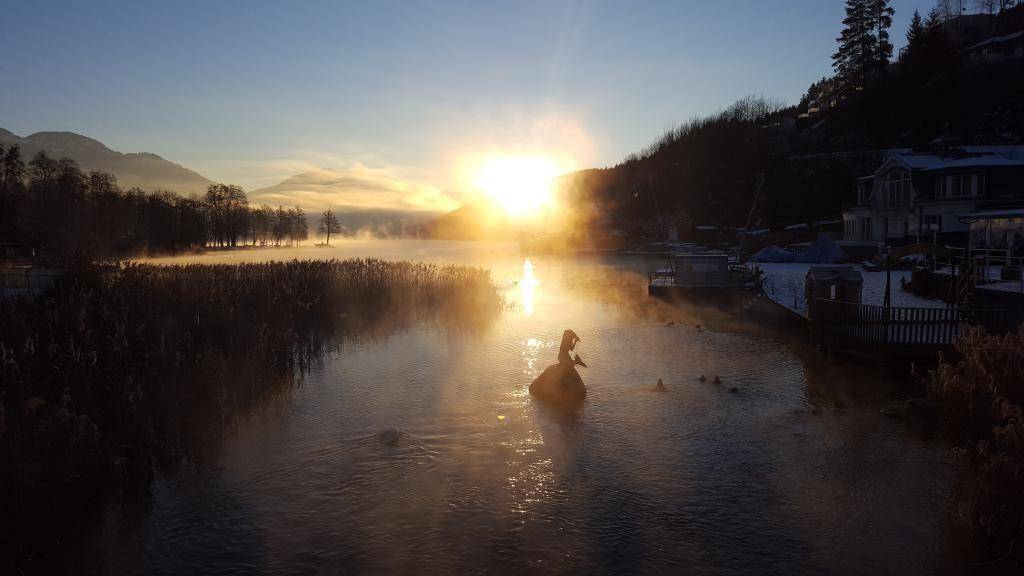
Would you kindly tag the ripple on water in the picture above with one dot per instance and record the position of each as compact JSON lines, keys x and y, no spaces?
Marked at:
{"x":773,"y":479}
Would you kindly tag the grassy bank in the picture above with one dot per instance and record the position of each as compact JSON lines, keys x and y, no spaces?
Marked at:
{"x":112,"y":376}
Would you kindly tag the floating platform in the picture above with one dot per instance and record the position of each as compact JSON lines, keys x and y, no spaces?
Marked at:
{"x":704,"y":276}
{"x":671,"y":291}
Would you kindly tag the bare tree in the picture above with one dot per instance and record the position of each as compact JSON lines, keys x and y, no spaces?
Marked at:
{"x":948,"y":9}
{"x":994,"y":6}
{"x":329,"y":224}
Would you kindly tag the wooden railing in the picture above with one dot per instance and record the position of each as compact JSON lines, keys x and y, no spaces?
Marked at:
{"x":861,"y":326}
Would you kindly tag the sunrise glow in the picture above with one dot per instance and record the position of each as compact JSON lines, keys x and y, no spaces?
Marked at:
{"x":521,"y":185}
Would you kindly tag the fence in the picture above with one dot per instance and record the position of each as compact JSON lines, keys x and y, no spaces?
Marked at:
{"x":889,"y":331}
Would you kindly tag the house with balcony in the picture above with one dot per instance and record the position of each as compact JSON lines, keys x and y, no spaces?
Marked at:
{"x":915,"y":196}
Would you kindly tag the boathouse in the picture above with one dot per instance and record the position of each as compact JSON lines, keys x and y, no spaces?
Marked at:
{"x":837,"y":283}
{"x":703,"y":269}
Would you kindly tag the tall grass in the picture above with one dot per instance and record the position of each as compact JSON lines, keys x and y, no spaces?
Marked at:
{"x":111,"y":376}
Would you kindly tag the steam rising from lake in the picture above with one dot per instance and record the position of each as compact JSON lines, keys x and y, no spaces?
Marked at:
{"x":794,"y":473}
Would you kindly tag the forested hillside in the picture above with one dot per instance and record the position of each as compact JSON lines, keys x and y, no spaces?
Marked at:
{"x":760,"y":163}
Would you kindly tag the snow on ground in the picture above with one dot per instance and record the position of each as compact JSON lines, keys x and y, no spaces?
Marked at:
{"x":784,"y":283}
{"x":1002,"y":287}
{"x":992,"y":273}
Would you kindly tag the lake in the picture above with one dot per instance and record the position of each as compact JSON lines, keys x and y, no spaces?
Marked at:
{"x":796,"y":472}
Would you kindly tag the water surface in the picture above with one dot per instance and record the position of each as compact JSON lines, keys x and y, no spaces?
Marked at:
{"x":793,"y":473}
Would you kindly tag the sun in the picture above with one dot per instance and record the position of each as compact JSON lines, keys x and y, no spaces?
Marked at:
{"x":521,"y":185}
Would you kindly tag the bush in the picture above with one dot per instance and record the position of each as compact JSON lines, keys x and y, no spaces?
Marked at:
{"x":980,"y":402}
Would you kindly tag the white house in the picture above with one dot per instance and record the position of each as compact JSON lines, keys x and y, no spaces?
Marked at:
{"x":913,"y":195}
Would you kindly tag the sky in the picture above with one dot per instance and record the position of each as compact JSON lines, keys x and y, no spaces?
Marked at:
{"x":416,"y":91}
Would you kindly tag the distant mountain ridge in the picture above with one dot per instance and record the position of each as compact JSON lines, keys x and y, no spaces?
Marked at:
{"x":362,"y":199}
{"x":142,"y":169}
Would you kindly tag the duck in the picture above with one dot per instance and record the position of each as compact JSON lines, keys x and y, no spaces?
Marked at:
{"x":560,"y":384}
{"x":660,"y":386}
{"x":703,"y":378}
{"x":700,"y":328}
{"x":717,"y":380}
{"x":389,"y":437}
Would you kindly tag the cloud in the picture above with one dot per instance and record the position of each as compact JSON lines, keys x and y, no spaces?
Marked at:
{"x":356,"y":189}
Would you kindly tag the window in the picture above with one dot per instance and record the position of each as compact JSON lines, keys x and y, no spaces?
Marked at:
{"x":930,"y":219}
{"x":863,"y":192}
{"x":897,"y":188}
{"x":957,"y":185}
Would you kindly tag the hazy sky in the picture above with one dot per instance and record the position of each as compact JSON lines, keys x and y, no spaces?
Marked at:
{"x":252,"y":92}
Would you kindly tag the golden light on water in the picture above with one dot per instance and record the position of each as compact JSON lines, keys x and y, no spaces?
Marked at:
{"x":521,"y":185}
{"x":527,"y":285}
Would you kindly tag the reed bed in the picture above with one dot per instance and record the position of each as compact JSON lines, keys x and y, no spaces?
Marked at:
{"x":111,"y":376}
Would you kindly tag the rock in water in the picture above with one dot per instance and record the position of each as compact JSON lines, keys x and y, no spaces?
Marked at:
{"x":559,"y":384}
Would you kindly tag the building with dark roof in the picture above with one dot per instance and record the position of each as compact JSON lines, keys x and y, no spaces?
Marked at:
{"x":914,"y":195}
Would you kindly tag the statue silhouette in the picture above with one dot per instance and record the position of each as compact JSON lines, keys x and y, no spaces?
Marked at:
{"x":561,"y":384}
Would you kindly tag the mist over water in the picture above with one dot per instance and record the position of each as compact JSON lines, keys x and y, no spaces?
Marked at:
{"x":794,"y":473}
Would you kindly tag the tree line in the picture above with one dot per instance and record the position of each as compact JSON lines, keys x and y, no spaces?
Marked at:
{"x":929,"y":90}
{"x":53,"y":208}
{"x":865,"y":48}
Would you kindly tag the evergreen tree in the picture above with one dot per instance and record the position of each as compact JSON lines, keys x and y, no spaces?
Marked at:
{"x":915,"y":32}
{"x":864,"y":45}
{"x":857,"y":43}
{"x":881,"y":12}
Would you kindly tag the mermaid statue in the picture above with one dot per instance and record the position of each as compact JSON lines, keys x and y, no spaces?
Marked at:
{"x":560,"y":383}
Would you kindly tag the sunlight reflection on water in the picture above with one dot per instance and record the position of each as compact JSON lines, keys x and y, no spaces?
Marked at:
{"x":773,"y":479}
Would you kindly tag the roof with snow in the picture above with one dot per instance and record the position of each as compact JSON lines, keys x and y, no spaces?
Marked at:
{"x":996,"y":40}
{"x":835,"y":275}
{"x":935,"y":162}
{"x":993,"y":215}
{"x":1011,"y":152}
